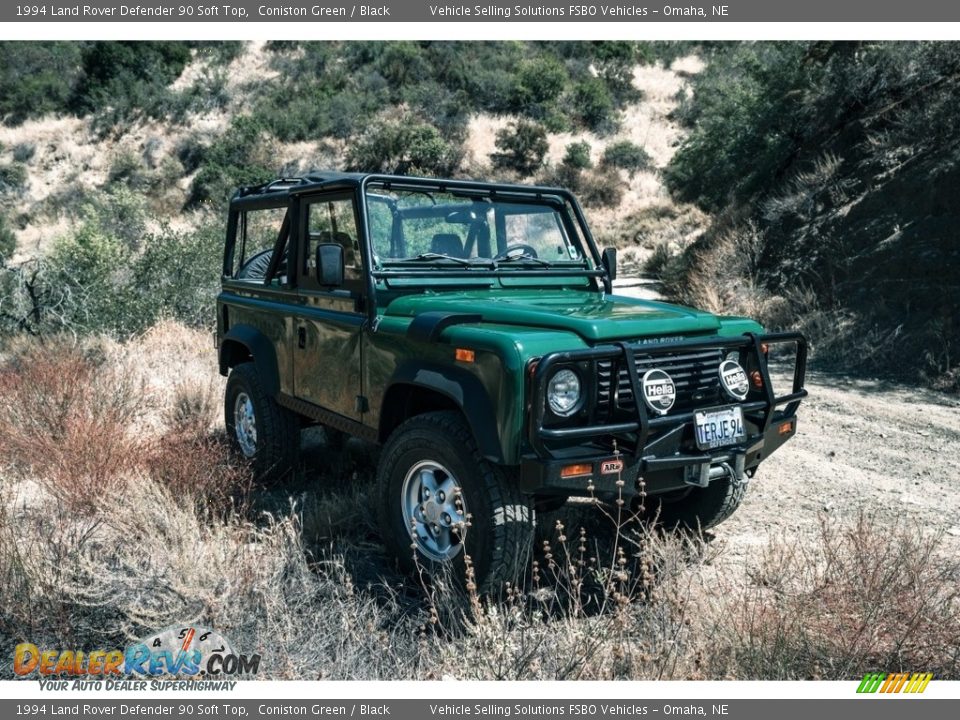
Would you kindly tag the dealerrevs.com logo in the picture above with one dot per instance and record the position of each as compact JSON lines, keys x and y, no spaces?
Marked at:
{"x":189,"y":652}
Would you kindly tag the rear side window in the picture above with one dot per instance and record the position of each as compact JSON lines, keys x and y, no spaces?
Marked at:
{"x":257,"y":236}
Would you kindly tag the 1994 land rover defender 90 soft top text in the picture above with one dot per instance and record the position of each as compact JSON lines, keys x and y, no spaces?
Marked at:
{"x":470,"y":329}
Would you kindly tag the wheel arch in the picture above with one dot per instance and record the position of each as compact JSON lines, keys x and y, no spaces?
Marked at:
{"x":416,"y":389}
{"x":244,"y":343}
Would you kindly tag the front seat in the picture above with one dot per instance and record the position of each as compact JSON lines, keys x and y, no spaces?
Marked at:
{"x":447,"y":244}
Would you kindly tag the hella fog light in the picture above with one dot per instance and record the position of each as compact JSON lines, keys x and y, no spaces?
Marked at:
{"x":563,"y":392}
{"x":734,"y":379}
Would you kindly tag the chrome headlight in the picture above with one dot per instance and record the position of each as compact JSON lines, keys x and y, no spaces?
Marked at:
{"x":563,"y":392}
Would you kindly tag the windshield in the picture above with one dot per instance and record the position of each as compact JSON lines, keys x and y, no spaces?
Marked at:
{"x":471,"y":228}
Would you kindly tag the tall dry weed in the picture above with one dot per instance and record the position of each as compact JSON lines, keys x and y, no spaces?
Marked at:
{"x":65,"y":420}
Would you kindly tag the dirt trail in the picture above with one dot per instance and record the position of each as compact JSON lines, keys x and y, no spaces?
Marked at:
{"x":860,"y":444}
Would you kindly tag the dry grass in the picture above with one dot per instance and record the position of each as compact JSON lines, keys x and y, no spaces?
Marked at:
{"x":298,"y":573}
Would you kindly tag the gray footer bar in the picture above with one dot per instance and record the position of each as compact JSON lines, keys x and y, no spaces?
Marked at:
{"x":875,"y":707}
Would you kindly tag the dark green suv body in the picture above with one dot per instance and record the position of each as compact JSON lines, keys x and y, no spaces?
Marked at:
{"x":471,"y":329}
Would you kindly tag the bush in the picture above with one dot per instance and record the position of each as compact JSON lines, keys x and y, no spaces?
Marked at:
{"x":13,"y":178}
{"x":404,"y":146}
{"x":24,"y":152}
{"x":522,"y":146}
{"x":241,"y":156}
{"x":127,"y":76}
{"x":110,"y":276}
{"x":592,"y":102}
{"x":539,"y":82}
{"x":601,"y":188}
{"x":8,"y":240}
{"x":37,"y":78}
{"x":626,"y":156}
{"x":577,"y":156}
{"x":65,"y":422}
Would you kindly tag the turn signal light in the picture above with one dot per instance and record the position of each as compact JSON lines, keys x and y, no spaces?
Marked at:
{"x":574,"y":470}
{"x":465,"y":355}
{"x":757,"y":379}
{"x":786,"y":428}
{"x":764,"y":348}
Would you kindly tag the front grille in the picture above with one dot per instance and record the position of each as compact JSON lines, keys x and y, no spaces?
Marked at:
{"x":695,"y":374}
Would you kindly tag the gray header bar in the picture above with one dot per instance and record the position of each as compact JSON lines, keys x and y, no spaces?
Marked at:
{"x":82,"y":708}
{"x":618,"y":11}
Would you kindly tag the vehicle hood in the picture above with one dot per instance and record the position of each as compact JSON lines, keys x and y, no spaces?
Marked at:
{"x":591,"y":315}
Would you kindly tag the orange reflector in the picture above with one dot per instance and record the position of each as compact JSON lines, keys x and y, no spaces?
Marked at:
{"x":465,"y":355}
{"x":764,"y":348}
{"x":786,"y":427}
{"x":573,"y":470}
{"x":532,"y":367}
{"x":757,"y":379}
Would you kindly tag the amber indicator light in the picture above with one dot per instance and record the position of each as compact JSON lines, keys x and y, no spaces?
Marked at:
{"x":465,"y":355}
{"x":574,"y":470}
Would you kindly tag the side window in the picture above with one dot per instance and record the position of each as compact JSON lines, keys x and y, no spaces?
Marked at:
{"x":333,"y":220}
{"x":256,"y":237}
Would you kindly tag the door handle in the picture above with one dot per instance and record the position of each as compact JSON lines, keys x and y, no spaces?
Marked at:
{"x":301,"y":337}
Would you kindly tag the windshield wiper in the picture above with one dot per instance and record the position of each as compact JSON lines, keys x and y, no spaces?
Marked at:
{"x":430,"y":256}
{"x":525,"y":257}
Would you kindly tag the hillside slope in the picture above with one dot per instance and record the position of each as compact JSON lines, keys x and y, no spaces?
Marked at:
{"x":833,"y":171}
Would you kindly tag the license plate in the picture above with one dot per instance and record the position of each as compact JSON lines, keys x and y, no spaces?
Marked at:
{"x":717,"y":427}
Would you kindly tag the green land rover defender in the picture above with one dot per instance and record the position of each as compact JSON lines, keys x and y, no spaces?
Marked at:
{"x":471,"y":330}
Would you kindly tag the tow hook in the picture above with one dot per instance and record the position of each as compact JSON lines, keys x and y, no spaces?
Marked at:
{"x":702,"y":475}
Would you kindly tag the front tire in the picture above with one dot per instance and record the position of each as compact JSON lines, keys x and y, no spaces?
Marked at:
{"x":264,"y":433}
{"x":441,"y":502}
{"x":698,"y":508}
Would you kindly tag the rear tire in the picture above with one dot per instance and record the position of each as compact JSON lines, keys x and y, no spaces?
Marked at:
{"x":264,"y":433}
{"x":431,"y":478}
{"x":700,"y":508}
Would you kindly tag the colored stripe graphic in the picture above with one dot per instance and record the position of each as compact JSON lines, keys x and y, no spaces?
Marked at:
{"x":894,"y":682}
{"x":871,"y":683}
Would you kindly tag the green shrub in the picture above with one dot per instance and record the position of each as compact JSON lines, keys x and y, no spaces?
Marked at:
{"x":24,"y":152}
{"x":122,"y":79}
{"x":8,"y":240}
{"x":538,"y":84}
{"x":111,"y":276}
{"x":627,"y":156}
{"x":577,"y":156}
{"x":13,"y":178}
{"x":37,"y":78}
{"x":405,"y":146}
{"x":593,"y":103}
{"x":522,"y":146}
{"x":238,"y":157}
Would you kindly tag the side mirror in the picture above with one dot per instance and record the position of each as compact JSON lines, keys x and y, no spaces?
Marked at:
{"x":330,"y":264}
{"x":609,"y":259}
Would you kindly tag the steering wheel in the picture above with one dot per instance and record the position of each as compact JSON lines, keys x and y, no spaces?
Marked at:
{"x":526,"y":250}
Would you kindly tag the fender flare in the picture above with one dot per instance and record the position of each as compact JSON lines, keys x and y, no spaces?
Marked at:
{"x":260,"y":349}
{"x":465,"y":390}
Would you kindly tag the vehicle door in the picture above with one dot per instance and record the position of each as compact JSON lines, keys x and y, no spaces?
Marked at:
{"x":327,"y":356}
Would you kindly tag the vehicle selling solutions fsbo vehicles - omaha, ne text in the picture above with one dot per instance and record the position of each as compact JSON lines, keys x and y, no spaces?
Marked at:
{"x":470,"y":328}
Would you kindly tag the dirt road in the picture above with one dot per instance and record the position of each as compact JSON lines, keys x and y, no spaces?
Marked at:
{"x":860,"y":444}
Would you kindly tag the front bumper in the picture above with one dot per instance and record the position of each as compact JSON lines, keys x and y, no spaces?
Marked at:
{"x":614,"y":457}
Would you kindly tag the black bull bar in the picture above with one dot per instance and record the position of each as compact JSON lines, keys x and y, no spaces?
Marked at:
{"x":642,"y":425}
